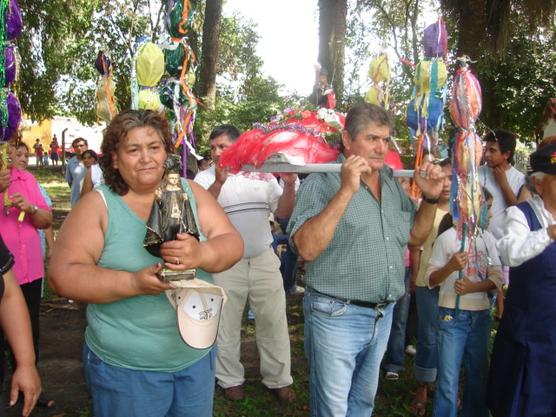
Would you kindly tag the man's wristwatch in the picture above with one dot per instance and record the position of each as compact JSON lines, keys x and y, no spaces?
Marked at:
{"x":34,"y":209}
{"x":431,"y":200}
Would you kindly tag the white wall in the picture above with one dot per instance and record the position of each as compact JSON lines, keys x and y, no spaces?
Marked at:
{"x":93,"y":133}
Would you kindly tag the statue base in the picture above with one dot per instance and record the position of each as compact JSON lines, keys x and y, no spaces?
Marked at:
{"x":168,"y":275}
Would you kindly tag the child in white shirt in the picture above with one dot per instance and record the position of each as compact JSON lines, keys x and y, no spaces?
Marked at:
{"x":463,"y":335}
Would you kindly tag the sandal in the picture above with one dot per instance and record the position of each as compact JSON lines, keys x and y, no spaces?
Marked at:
{"x":44,"y":402}
{"x":419,"y":403}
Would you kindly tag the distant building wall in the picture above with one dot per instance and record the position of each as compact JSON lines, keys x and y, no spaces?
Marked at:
{"x":46,"y":129}
{"x":31,"y":131}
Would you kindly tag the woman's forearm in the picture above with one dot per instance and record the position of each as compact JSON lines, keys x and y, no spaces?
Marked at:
{"x":15,"y":322}
{"x":41,"y":219}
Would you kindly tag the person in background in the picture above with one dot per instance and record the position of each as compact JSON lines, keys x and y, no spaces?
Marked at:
{"x":93,"y":177}
{"x":54,"y":149}
{"x":505,"y":183}
{"x":522,"y":372}
{"x":464,"y":328}
{"x":204,"y":163}
{"x":425,"y":366}
{"x":46,"y":235}
{"x":323,"y":95}
{"x":16,"y":326}
{"x":75,"y":169}
{"x":136,"y":363}
{"x":500,"y":178}
{"x":19,"y":223}
{"x":39,"y":151}
{"x":256,"y":277}
{"x":394,"y":357}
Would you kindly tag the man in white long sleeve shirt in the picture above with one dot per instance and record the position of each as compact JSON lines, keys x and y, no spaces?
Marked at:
{"x":523,"y":362}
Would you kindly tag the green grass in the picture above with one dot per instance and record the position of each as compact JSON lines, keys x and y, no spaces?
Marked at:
{"x":393,"y":397}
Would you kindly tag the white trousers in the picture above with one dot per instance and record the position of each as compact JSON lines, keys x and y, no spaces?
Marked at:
{"x":258,"y":280}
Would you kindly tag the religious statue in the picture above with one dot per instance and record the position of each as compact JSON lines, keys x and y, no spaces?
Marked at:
{"x":171,"y":214}
{"x":323,"y":94}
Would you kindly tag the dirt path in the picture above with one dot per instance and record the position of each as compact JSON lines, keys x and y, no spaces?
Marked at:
{"x":62,"y":327}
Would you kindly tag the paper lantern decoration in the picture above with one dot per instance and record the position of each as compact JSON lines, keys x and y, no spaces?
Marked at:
{"x":149,"y":65}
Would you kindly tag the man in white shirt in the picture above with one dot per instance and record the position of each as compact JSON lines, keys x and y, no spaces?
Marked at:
{"x":248,"y":201}
{"x":504,"y":182}
{"x":521,"y":381}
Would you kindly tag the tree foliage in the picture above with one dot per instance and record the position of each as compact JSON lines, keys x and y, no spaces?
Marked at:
{"x":524,"y":78}
{"x":484,"y":26}
{"x":244,"y":95}
{"x":53,"y":30}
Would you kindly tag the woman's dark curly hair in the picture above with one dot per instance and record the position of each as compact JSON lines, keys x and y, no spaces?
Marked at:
{"x":115,"y":134}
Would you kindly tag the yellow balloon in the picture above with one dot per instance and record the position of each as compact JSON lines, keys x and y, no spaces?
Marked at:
{"x":149,"y":100}
{"x":149,"y":65}
{"x":379,"y":70}
{"x":375,"y":96}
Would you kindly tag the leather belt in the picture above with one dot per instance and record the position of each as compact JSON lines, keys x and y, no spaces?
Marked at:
{"x":359,"y":303}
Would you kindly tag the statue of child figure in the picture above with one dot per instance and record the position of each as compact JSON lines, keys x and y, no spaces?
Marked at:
{"x":171,"y":214}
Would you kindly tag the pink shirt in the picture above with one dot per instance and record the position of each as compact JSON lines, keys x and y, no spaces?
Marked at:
{"x":22,"y":239}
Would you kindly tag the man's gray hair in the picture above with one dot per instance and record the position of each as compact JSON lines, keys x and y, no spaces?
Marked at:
{"x":360,"y":115}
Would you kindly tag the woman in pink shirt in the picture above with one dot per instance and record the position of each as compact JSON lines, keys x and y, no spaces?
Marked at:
{"x":19,"y":222}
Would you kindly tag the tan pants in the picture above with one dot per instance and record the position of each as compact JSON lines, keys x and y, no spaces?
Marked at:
{"x":258,"y":280}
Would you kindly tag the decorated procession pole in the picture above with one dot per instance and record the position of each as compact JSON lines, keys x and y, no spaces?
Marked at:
{"x":466,"y":197}
{"x":425,"y":111}
{"x":176,"y":92}
{"x":11,"y":26}
{"x":163,"y":75}
{"x":105,"y":96}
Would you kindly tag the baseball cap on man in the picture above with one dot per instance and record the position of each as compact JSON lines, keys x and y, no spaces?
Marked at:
{"x":544,"y":160}
{"x":198,"y":306}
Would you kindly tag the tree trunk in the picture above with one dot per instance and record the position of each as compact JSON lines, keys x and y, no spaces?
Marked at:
{"x":332,"y":40}
{"x":206,"y":87}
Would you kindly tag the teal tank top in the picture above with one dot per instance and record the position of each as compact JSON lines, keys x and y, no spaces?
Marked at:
{"x":138,"y":332}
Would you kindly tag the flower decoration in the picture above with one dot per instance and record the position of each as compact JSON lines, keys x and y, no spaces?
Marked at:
{"x":297,"y":136}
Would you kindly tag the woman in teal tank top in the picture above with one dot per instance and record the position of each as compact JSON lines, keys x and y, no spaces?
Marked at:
{"x":136,"y":363}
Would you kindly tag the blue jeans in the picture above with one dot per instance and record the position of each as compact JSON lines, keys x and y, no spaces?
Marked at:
{"x":394,"y":358}
{"x":123,"y":392}
{"x":462,"y":339}
{"x":427,"y":329}
{"x":344,"y":345}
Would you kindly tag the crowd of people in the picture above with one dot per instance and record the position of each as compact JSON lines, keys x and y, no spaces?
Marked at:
{"x":368,"y":245}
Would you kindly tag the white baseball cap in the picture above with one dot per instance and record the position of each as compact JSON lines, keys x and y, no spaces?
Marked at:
{"x":198,"y":306}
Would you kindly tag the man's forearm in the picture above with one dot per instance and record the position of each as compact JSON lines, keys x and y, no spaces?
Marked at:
{"x":215,"y":188}
{"x":422,"y":226}
{"x":317,"y":233}
{"x":509,"y":196}
{"x":286,"y":202}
